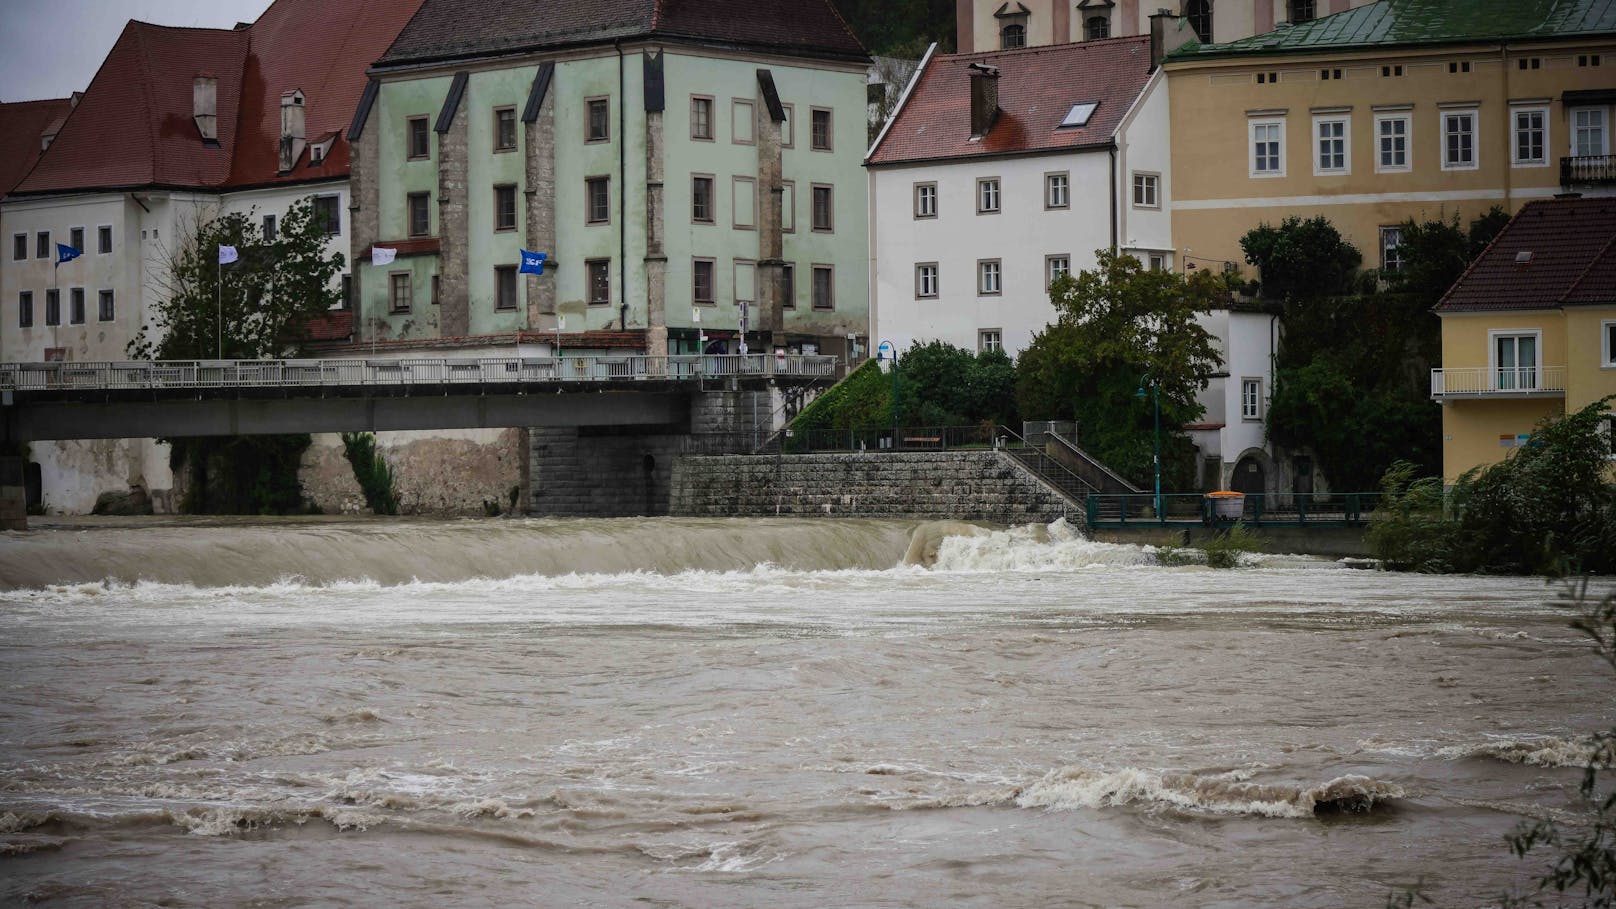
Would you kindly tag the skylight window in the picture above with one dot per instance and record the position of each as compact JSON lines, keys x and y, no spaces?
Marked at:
{"x":1079,"y":114}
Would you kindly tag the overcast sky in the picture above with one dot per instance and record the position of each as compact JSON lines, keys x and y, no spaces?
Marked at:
{"x":52,"y":48}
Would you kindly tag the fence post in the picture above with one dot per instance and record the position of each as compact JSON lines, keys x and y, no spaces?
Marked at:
{"x":1301,"y":509}
{"x":1093,"y":509}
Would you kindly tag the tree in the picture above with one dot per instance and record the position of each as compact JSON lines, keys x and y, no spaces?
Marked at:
{"x":1485,"y":228}
{"x":943,"y":385}
{"x":1120,"y":327}
{"x":1301,"y":259}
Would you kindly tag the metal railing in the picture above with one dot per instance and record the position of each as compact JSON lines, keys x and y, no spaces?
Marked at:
{"x":67,"y":376}
{"x":1478,"y":381}
{"x":1267,"y":510}
{"x":1587,"y":170}
{"x":887,"y":438}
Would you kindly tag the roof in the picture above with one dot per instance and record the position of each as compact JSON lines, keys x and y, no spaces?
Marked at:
{"x":1572,"y":260}
{"x":457,"y":29}
{"x":1422,"y":22}
{"x":23,"y":126}
{"x":134,"y":128}
{"x":333,"y":326}
{"x":1037,"y":87}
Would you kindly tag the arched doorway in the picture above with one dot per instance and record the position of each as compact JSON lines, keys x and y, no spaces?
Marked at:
{"x":1250,"y":476}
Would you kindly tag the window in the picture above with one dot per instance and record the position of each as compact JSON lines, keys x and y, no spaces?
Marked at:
{"x":104,"y":311}
{"x":1268,"y":78}
{"x":824,"y":287}
{"x":599,"y":125}
{"x":1056,"y":267}
{"x":419,"y":139}
{"x":788,"y":206}
{"x":989,"y":339}
{"x":1302,"y":11}
{"x":1251,"y":399}
{"x":75,"y":305}
{"x":1531,"y":135}
{"x":1526,"y":63}
{"x":1391,"y":243}
{"x":819,"y":129}
{"x":925,"y":200}
{"x":1199,"y":14}
{"x":53,"y":307}
{"x":1587,"y":59}
{"x":505,"y":287}
{"x":1391,"y":72}
{"x":436,"y":289}
{"x":1607,"y":331}
{"x":701,"y":281}
{"x":42,"y":245}
{"x":1459,"y":66}
{"x":1458,"y":140}
{"x":788,"y":136}
{"x":1145,"y":191}
{"x":824,"y":209}
{"x":328,"y":214}
{"x":1156,"y":261}
{"x":1079,"y":114}
{"x":504,"y":129}
{"x":1012,"y":36}
{"x":420,"y":215}
{"x":25,"y":309}
{"x":743,"y":203}
{"x":701,"y":200}
{"x":103,"y":239}
{"x":788,"y":286}
{"x":989,"y":277}
{"x":1333,"y":141}
{"x":19,"y":246}
{"x":926,"y":279}
{"x":1588,"y":131}
{"x":1268,"y":148}
{"x":987,"y":196}
{"x":347,"y":291}
{"x":1330,"y":75}
{"x":1391,"y":144}
{"x":399,"y":291}
{"x":75,"y":238}
{"x":505,"y":207}
{"x":742,"y":122}
{"x":1057,"y":191}
{"x":598,"y":277}
{"x":598,"y":200}
{"x":271,"y":230}
{"x":1096,"y":27}
{"x":1515,"y":366}
{"x":701,"y":118}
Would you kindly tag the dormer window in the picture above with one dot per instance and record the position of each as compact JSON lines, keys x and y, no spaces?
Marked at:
{"x":1096,"y":27}
{"x":1013,"y":36}
{"x":1303,"y":11}
{"x":1079,"y":114}
{"x":1012,"y":25}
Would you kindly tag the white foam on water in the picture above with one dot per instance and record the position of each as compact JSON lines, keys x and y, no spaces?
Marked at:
{"x":1060,"y":546}
{"x":1070,"y":788}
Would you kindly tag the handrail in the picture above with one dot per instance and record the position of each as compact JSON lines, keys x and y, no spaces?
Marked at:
{"x":1497,"y":380}
{"x":1071,"y":446}
{"x":1256,"y":509}
{"x":1083,"y":487}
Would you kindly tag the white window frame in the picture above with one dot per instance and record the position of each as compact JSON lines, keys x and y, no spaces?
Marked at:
{"x":1060,"y":178}
{"x":1158,"y":261}
{"x":1319,"y":170}
{"x":1251,"y":410}
{"x":1251,"y":147}
{"x":1515,"y":159}
{"x":922,"y":291}
{"x":1493,"y":335}
{"x":1143,"y":180}
{"x":982,"y":183}
{"x":1607,"y":340}
{"x":920,"y":210}
{"x":1408,"y":143}
{"x":984,"y":268}
{"x":1049,"y":267}
{"x":1381,"y":237}
{"x":982,"y":336}
{"x":1604,"y":129}
{"x":1475,"y":136}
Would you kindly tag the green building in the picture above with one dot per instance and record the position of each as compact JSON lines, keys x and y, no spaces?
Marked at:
{"x":670,"y":156}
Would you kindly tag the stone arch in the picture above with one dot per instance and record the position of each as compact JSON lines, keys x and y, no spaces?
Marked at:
{"x":1252,"y":472}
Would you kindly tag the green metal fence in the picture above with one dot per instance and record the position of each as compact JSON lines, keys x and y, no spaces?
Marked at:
{"x":1282,"y":509}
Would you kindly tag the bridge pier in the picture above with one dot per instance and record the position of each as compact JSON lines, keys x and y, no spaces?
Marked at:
{"x":13,"y":494}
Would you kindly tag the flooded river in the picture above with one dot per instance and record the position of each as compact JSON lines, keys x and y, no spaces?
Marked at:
{"x":761,"y":713}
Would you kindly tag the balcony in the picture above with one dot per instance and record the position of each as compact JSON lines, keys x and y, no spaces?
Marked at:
{"x":1474,"y":382}
{"x":1588,"y":170}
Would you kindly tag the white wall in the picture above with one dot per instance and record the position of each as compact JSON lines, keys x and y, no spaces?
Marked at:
{"x":1245,"y":342}
{"x":1144,"y":145}
{"x":276,"y":200}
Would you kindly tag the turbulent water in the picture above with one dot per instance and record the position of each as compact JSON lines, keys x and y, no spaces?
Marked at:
{"x":747,"y":713}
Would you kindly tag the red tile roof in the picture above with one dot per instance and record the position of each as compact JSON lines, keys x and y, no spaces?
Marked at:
{"x":335,"y":325}
{"x":1037,"y":87}
{"x":1572,"y":247}
{"x":133,"y":127}
{"x":23,"y":125}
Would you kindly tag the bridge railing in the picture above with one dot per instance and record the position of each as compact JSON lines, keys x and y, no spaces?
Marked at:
{"x":61,"y":376}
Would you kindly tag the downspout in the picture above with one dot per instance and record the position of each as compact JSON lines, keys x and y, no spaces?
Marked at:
{"x":1114,"y":214}
{"x":1508,"y":132}
{"x":622,"y":190}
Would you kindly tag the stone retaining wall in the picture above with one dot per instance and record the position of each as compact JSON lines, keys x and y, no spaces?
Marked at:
{"x":955,"y":485}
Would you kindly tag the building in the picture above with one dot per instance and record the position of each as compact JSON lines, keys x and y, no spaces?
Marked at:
{"x":178,"y":125}
{"x":1396,"y":110}
{"x":690,"y":169}
{"x":985,"y":25}
{"x":1529,"y":331}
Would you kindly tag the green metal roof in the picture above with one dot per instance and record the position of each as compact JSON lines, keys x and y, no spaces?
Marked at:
{"x":1390,"y":22}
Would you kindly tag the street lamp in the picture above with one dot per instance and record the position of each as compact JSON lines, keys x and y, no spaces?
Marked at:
{"x":1155,"y":397}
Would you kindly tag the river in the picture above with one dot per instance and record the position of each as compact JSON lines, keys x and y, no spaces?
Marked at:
{"x":745,"y":713}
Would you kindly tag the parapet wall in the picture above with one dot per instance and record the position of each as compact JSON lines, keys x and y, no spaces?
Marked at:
{"x":955,"y":485}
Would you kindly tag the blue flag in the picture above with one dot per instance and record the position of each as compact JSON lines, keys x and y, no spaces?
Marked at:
{"x":65,"y":253}
{"x":532,"y":263}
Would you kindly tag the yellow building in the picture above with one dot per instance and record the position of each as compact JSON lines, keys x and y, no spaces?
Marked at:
{"x":990,"y":25}
{"x":1394,"y":110}
{"x":1529,"y":331}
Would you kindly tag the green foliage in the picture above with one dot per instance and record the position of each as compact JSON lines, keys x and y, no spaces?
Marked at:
{"x":900,"y":28}
{"x":372,"y":472}
{"x":1119,"y":328}
{"x":1485,"y":228}
{"x":1435,"y":253}
{"x":943,"y":385}
{"x":1301,"y":259}
{"x":862,"y":399}
{"x":241,"y":474}
{"x":1410,"y":530}
{"x":1225,"y":549}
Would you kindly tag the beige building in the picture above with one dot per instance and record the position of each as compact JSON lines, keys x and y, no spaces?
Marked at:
{"x":1390,"y":111}
{"x":991,"y":25}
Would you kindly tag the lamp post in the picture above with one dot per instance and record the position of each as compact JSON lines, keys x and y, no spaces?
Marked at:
{"x":1155,"y":399}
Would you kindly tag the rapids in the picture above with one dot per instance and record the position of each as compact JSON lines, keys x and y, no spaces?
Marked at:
{"x":740,"y":713}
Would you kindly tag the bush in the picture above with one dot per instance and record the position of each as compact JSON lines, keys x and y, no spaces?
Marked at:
{"x":1224,"y":550}
{"x":371,"y":471}
{"x":862,"y":399}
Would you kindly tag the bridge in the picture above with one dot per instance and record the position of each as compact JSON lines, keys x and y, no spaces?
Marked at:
{"x":160,"y":399}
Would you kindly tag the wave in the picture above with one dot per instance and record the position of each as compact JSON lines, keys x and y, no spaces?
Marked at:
{"x":1061,"y":546}
{"x":1536,"y":751}
{"x":1223,"y":794}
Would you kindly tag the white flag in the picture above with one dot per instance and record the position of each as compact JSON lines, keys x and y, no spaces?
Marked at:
{"x":382,"y":255}
{"x":227,"y":254}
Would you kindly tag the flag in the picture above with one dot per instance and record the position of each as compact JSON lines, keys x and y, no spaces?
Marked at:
{"x":65,"y":253}
{"x":227,"y":254}
{"x":382,"y":255}
{"x":533,"y":263}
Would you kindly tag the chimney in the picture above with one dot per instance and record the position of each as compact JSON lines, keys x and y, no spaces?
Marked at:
{"x":293,"y":139}
{"x":1167,"y":34}
{"x":205,"y":107}
{"x":984,"y":98}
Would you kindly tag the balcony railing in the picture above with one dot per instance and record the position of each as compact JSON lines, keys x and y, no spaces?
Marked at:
{"x":1498,"y":382}
{"x":1587,"y":170}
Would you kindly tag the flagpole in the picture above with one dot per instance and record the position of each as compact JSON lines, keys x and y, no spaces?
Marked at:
{"x":218,"y":297}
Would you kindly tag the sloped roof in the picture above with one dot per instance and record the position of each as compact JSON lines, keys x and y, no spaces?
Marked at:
{"x":1037,"y":87}
{"x":23,"y":125}
{"x":1572,"y":247}
{"x":1423,"y":22}
{"x":454,"y":29}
